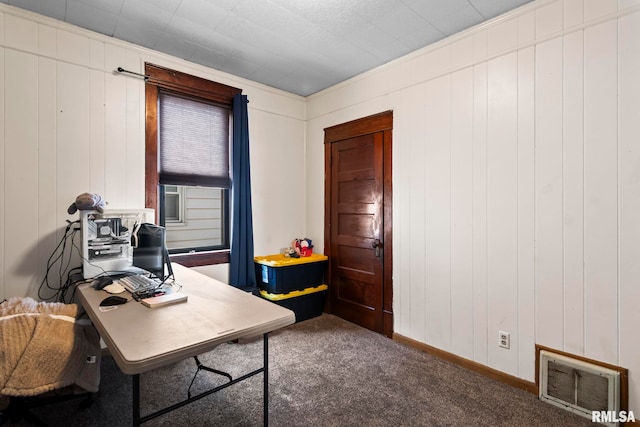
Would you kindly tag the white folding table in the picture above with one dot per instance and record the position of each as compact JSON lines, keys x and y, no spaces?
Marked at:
{"x":141,"y":338}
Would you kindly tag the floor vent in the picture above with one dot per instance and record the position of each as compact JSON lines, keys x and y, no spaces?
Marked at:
{"x":578,"y":385}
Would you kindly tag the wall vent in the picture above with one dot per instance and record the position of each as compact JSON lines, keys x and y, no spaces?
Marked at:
{"x":578,"y":385}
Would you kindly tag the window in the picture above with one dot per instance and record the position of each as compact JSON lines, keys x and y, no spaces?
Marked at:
{"x":188,"y":130}
{"x":173,"y":204}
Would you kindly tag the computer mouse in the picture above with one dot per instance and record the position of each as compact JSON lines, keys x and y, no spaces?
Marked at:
{"x":113,"y":300}
{"x":100,"y":282}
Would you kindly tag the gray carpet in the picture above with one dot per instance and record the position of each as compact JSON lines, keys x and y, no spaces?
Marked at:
{"x":323,"y":372}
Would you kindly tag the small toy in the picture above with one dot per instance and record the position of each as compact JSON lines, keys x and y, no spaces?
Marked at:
{"x":291,"y":253}
{"x":87,"y":201}
{"x":302,"y":247}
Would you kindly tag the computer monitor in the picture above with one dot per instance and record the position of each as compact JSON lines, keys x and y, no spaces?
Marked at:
{"x":149,"y":249}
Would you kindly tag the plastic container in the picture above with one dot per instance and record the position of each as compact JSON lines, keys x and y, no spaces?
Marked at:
{"x":306,"y":303}
{"x":278,"y":274}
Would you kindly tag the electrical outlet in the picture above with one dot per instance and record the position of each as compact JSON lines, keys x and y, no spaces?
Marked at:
{"x":504,"y":339}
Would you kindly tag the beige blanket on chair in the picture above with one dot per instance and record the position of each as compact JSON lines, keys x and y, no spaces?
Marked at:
{"x":43,"y":347}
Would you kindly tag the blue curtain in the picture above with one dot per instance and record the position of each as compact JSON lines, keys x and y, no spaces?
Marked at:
{"x":242,"y":272}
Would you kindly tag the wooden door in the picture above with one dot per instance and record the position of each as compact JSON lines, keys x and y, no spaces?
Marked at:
{"x":358,"y":221}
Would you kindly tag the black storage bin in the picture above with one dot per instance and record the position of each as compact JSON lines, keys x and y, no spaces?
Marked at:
{"x":305,"y":304}
{"x":278,"y":274}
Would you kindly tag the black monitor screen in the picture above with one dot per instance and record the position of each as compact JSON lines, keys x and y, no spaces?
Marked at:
{"x":149,"y":249}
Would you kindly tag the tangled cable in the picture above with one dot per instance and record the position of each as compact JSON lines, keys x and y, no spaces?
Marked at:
{"x":62,"y":255}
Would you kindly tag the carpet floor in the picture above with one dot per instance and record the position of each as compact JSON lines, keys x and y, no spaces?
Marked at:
{"x":322,"y":372}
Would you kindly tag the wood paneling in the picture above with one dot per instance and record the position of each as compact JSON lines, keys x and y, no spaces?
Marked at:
{"x":70,"y":124}
{"x":72,"y":129}
{"x":134,"y":151}
{"x":629,"y":204}
{"x":549,"y":166}
{"x":539,"y":265}
{"x":115,"y":160}
{"x":601,"y":191}
{"x":462,"y":213}
{"x":406,"y":219}
{"x":97,"y":145}
{"x":437,"y":178}
{"x":526,"y":212}
{"x":20,"y":33}
{"x":416,"y":227}
{"x":20,"y":166}
{"x":599,"y":204}
{"x":549,"y":192}
{"x":479,"y":224}
{"x":47,"y":147}
{"x":502,"y":212}
{"x":573,"y":191}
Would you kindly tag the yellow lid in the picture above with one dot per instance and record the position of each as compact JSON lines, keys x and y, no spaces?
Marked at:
{"x":279,"y":260}
{"x":293,"y":294}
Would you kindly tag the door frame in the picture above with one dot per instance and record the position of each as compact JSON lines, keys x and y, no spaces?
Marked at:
{"x":381,"y":122}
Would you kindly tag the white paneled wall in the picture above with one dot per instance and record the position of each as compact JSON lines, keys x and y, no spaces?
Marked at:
{"x":70,"y":124}
{"x":573,"y":191}
{"x":526,"y":214}
{"x":516,"y":184}
{"x":461,"y":268}
{"x":502,"y":204}
{"x":548,"y":194}
{"x":479,"y":209}
{"x":516,"y":170}
{"x":601,"y":191}
{"x":436,"y":166}
{"x":629,"y":190}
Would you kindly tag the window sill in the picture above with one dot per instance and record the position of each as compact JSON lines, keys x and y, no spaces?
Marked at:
{"x":199,"y":259}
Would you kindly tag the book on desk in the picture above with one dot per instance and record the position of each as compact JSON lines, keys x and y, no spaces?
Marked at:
{"x":162,"y":300}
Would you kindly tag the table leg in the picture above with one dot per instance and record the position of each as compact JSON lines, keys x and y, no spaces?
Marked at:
{"x":136,"y":400}
{"x":266,"y":379}
{"x":135,"y":404}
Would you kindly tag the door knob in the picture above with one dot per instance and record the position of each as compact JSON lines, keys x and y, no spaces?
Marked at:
{"x":377,"y":244}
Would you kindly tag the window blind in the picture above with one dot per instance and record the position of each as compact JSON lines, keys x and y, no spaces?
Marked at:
{"x":194,"y":142}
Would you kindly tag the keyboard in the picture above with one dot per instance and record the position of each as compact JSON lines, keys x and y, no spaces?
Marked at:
{"x":138,"y":283}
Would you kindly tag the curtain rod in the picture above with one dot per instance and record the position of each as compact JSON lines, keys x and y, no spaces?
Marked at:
{"x":122,"y":70}
{"x":177,"y":85}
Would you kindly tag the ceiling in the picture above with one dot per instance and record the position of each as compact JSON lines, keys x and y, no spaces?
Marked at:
{"x":300,"y":46}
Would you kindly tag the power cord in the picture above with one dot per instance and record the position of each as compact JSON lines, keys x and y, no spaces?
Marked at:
{"x":65,"y":289}
{"x":61,"y":255}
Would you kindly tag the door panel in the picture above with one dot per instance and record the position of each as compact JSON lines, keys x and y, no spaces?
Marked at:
{"x":356,"y":274}
{"x":357,"y":218}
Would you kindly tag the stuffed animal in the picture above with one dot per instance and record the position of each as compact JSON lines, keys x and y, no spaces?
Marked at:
{"x":302,"y":247}
{"x":87,"y":201}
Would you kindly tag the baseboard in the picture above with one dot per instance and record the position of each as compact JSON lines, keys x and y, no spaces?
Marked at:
{"x":529,"y":386}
